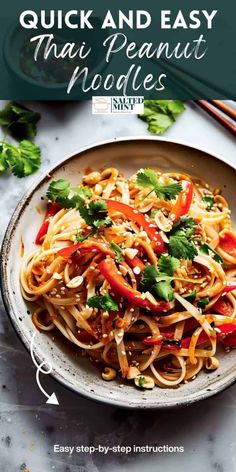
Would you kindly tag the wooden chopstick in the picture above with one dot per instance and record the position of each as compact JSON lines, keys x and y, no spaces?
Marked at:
{"x":216,"y":115}
{"x":225,"y":108}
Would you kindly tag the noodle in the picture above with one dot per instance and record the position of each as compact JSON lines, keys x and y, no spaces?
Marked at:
{"x":86,"y":278}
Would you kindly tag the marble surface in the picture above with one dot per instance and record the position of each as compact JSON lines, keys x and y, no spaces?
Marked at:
{"x":29,"y":428}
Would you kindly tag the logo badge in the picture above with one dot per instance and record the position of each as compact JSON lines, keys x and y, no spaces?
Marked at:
{"x":117,"y":105}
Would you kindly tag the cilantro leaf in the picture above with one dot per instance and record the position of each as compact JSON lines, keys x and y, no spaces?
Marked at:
{"x":157,"y":283}
{"x":208,"y":201}
{"x":203,"y":302}
{"x":60,"y":191}
{"x":168,"y":264}
{"x":180,"y":247}
{"x":186,"y":224}
{"x":96,"y":214}
{"x":163,"y":289}
{"x":22,"y":160}
{"x":161,"y":114}
{"x":182,"y":231}
{"x":147,"y":178}
{"x":19,"y":121}
{"x":103,"y":302}
{"x":80,"y":239}
{"x":141,"y":381}
{"x":190,"y":296}
{"x":117,"y":250}
{"x":206,"y":249}
{"x":148,"y":277}
{"x":5,"y":155}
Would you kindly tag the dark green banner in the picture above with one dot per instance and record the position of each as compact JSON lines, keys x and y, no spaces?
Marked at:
{"x":52,"y":50}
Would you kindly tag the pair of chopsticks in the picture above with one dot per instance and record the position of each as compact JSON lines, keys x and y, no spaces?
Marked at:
{"x":188,"y":82}
{"x":218,"y":109}
{"x":221,"y":112}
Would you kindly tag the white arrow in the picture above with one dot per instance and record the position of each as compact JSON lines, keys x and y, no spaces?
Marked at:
{"x":51,"y":399}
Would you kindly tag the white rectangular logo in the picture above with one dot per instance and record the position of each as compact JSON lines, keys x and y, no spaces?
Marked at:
{"x":117,"y":105}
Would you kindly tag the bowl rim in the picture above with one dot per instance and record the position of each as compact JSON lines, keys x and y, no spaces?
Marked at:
{"x":10,"y":310}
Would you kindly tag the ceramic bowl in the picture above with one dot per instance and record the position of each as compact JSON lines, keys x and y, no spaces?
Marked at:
{"x":15,"y":43}
{"x":73,"y":371}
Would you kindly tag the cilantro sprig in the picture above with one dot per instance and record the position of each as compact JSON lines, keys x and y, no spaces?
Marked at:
{"x":117,"y":250}
{"x":147,"y":178}
{"x":181,"y":247}
{"x":141,"y":381}
{"x":161,"y":114}
{"x":186,"y":224}
{"x":168,"y":265}
{"x":19,"y":122}
{"x":158,"y":281}
{"x":22,"y":160}
{"x":61,"y":192}
{"x":208,"y":250}
{"x":180,"y":244}
{"x":95,"y":214}
{"x":208,"y":202}
{"x":203,"y":302}
{"x":103,"y":302}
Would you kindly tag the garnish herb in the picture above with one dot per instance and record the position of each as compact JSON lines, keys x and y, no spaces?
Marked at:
{"x":190,"y":296}
{"x":206,"y":249}
{"x":159,"y":282}
{"x":180,"y":247}
{"x":203,"y":302}
{"x":179,"y":242}
{"x":22,"y":160}
{"x":172,"y":342}
{"x":20,"y":122}
{"x":117,"y":250}
{"x":153,"y":213}
{"x":168,"y":264}
{"x":95,"y":214}
{"x":186,"y":224}
{"x":103,"y":302}
{"x":80,"y":239}
{"x":141,"y":382}
{"x":61,"y":192}
{"x":161,"y":114}
{"x":208,"y":201}
{"x":147,"y":178}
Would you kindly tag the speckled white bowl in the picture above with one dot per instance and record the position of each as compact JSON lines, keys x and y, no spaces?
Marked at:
{"x":128,"y":154}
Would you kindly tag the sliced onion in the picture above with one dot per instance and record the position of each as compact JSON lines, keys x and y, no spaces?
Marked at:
{"x":195,"y":313}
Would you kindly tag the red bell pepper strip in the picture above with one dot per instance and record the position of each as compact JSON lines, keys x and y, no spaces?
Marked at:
{"x":189,"y":325}
{"x":183,"y":202}
{"x":52,"y":209}
{"x":137,"y":217}
{"x":229,"y":288}
{"x":85,"y":337}
{"x":135,"y":262}
{"x":226,"y":330}
{"x":229,"y":340}
{"x":223,"y":307}
{"x":228,"y":243}
{"x":109,"y":270}
{"x":85,"y":247}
